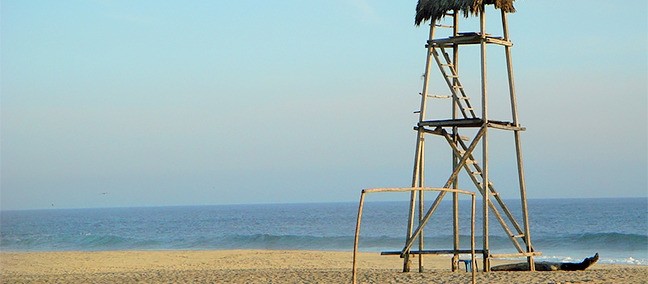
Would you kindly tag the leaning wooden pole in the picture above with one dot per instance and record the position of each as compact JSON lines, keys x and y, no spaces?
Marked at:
{"x":518,"y":146}
{"x":417,"y":176}
{"x":357,"y":238}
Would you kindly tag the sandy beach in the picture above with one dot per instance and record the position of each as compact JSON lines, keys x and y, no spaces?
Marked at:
{"x":268,"y":266}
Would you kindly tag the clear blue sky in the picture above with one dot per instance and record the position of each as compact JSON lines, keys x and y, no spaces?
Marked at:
{"x":219,"y":102}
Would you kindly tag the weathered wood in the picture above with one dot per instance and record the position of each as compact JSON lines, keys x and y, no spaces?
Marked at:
{"x":518,"y":146}
{"x":501,"y":203}
{"x":413,"y":190}
{"x":467,"y":39}
{"x":455,"y":158}
{"x":473,"y":262}
{"x":417,"y":233}
{"x":504,"y":126}
{"x":442,"y":251}
{"x":462,"y":155}
{"x":462,"y":122}
{"x":521,"y":254}
{"x":454,"y":85}
{"x":462,"y":251}
{"x":356,"y":237}
{"x":421,"y":183}
{"x":417,"y":174}
{"x":454,"y":174}
{"x":471,"y":122}
{"x":439,"y":131}
{"x":490,"y":203}
{"x":408,"y":189}
{"x":484,"y":90}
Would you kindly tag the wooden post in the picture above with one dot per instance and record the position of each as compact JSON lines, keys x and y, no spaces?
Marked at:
{"x":518,"y":146}
{"x":441,"y":191}
{"x":421,"y":206}
{"x":484,"y":89}
{"x":455,"y":133}
{"x":417,"y":175}
{"x":473,"y":262}
{"x":357,"y":237}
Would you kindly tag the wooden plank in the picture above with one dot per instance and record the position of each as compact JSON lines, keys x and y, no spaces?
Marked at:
{"x":463,"y":122}
{"x":443,"y":251}
{"x":405,"y":189}
{"x":471,"y":122}
{"x":467,"y":40}
{"x":439,"y":131}
{"x":522,"y":254}
{"x":504,"y":126}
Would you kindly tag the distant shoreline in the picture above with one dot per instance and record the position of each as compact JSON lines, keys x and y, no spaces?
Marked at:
{"x":292,"y":203}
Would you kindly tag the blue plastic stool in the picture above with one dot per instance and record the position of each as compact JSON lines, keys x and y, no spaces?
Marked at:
{"x":468,"y":265}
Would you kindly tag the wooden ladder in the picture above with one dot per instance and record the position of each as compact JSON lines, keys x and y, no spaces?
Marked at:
{"x":475,"y":172}
{"x":451,"y":77}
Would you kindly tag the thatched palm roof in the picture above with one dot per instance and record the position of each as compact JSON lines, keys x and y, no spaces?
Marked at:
{"x":436,"y":9}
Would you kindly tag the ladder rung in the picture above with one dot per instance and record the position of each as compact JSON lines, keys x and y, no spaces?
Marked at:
{"x":443,"y":26}
{"x":475,"y":173}
{"x":517,"y":236}
{"x":452,"y":76}
{"x":437,"y":96}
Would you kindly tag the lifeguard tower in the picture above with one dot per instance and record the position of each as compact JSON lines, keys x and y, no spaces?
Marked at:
{"x":466,"y":129}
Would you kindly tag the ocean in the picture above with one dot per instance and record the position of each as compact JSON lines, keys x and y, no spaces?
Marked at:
{"x":562,"y":229}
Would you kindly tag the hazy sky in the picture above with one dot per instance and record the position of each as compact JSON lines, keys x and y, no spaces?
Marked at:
{"x":147,"y":103}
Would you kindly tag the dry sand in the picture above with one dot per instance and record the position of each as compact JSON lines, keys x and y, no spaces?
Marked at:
{"x":265,"y":266}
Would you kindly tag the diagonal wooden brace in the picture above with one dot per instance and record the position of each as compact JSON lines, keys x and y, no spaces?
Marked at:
{"x":498,"y":215}
{"x":437,"y":201}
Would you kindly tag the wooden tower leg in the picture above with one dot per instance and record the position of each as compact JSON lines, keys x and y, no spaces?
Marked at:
{"x":413,"y":196}
{"x":421,"y":206}
{"x":455,"y":158}
{"x":485,"y":181}
{"x":518,"y":146}
{"x":418,"y":175}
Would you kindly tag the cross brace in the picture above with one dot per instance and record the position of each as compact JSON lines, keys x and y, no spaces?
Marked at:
{"x":466,"y":161}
